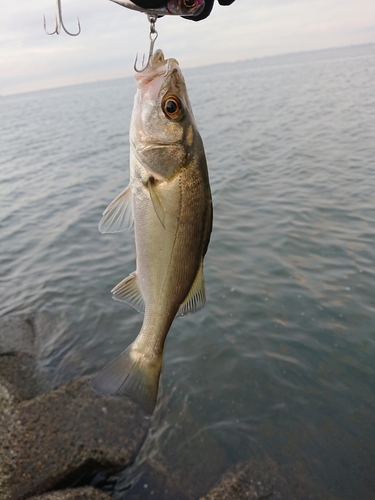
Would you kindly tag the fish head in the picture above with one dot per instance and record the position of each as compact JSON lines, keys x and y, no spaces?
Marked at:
{"x":163,"y":132}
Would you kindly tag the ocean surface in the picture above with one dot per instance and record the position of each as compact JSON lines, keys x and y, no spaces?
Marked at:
{"x":280,"y":363}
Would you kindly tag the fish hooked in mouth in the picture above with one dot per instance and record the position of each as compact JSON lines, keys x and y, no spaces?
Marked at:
{"x":169,"y":200}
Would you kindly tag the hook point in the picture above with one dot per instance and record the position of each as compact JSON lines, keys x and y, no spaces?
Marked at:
{"x":59,"y":22}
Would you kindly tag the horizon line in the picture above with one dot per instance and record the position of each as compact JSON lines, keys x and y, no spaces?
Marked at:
{"x":255,"y":58}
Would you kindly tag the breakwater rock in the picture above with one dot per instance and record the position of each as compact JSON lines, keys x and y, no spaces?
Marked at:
{"x":86,"y":493}
{"x":253,"y":480}
{"x":49,"y":438}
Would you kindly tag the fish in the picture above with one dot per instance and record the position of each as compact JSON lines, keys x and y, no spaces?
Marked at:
{"x":169,"y":200}
{"x":170,"y":7}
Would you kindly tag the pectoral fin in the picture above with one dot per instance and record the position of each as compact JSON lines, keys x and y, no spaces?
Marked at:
{"x":159,"y":210}
{"x":196,"y":298}
{"x":118,"y":216}
{"x":128,"y":291}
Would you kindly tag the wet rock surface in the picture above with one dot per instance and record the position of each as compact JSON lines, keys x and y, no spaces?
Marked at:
{"x":87,"y":493}
{"x":20,"y":378}
{"x":50,"y":438}
{"x":261,"y":478}
{"x":253,"y":480}
{"x":19,"y":374}
{"x":17,"y":334}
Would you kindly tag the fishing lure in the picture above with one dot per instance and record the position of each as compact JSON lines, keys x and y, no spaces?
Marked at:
{"x":170,"y":7}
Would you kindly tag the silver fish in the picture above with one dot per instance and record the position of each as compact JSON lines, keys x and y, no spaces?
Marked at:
{"x":169,"y":199}
{"x":170,"y":7}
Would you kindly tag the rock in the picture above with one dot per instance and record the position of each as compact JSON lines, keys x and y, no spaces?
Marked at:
{"x":6,"y":397}
{"x":87,"y":493}
{"x":17,"y":334}
{"x":253,"y":480}
{"x":20,"y":378}
{"x":45,"y":440}
{"x":19,"y":374}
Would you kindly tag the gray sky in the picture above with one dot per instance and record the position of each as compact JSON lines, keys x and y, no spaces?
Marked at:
{"x":111,"y":36}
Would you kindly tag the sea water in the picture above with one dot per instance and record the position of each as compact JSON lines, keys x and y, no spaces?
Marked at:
{"x":281,"y":361}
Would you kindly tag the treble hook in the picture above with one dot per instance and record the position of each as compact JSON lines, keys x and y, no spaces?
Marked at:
{"x":153,"y":36}
{"x":59,"y":23}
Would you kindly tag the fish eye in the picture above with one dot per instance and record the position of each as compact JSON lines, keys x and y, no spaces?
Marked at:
{"x":172,"y":107}
{"x":189,"y":3}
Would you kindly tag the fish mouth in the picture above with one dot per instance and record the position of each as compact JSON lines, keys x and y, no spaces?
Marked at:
{"x":158,"y":60}
{"x":158,"y":67}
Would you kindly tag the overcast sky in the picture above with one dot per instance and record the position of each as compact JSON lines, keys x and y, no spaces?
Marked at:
{"x":111,"y":36}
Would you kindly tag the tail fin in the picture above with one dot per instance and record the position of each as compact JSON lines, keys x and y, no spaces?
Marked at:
{"x":131,"y":374}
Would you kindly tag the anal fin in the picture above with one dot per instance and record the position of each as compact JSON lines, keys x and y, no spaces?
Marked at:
{"x":196,"y":298}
